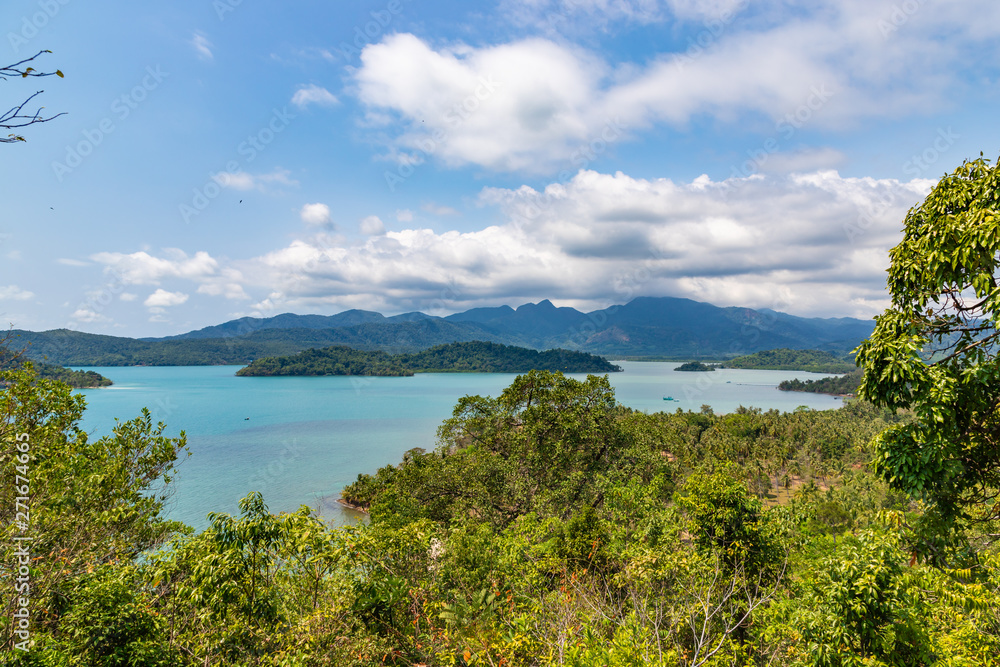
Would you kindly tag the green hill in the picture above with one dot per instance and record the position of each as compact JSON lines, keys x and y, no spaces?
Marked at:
{"x":816,"y":361}
{"x":472,"y":357}
{"x":75,"y":379}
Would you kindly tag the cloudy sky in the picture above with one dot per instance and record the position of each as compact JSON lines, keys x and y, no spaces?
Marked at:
{"x":221,"y":158}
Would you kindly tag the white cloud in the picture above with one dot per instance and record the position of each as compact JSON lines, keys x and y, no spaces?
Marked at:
{"x":313,"y":94}
{"x":242,"y":180}
{"x":128,"y":296}
{"x":202,"y":46}
{"x":71,"y":262}
{"x":404,"y":215}
{"x":316,"y":215}
{"x":439,"y":209}
{"x":163,"y":299}
{"x":813,"y":243}
{"x":87,"y":315}
{"x":372,"y":226}
{"x":14,"y":293}
{"x":539,"y":105}
{"x":141,"y":268}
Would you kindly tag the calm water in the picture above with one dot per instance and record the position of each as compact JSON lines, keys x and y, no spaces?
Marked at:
{"x":299,"y":441}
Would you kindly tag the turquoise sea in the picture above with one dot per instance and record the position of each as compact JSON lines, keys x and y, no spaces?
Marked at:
{"x":299,"y":441}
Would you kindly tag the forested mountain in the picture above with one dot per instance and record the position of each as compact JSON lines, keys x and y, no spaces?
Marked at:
{"x":644,"y":327}
{"x":474,"y":356}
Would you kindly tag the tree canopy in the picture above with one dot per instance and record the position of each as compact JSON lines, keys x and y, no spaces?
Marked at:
{"x":934,"y":350}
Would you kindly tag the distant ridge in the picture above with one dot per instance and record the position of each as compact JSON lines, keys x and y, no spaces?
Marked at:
{"x":646,"y":326}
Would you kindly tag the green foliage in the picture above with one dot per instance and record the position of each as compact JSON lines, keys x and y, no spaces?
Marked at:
{"x":816,"y":361}
{"x":91,"y":502}
{"x":548,"y":444}
{"x":864,"y":608}
{"x":730,"y":522}
{"x":475,"y":356}
{"x":843,"y":385}
{"x":551,"y":526}
{"x":934,"y":348}
{"x":75,"y":379}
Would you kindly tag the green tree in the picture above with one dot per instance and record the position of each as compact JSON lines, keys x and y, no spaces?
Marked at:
{"x":85,"y":503}
{"x":935,"y":349}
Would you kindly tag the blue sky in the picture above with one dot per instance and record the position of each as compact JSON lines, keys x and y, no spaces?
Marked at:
{"x":222,"y":158}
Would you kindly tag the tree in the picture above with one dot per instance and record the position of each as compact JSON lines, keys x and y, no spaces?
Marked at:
{"x":935,"y":349}
{"x":17,"y":116}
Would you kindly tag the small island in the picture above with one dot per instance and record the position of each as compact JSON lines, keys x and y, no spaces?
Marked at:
{"x":695,"y":366}
{"x":467,"y":357}
{"x":841,"y":385}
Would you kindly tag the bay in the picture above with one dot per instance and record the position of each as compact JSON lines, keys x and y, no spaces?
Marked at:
{"x":300,"y":440}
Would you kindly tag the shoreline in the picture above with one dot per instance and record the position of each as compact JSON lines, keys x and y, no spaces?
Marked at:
{"x":351,"y":506}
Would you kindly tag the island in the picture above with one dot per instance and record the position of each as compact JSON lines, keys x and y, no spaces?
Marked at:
{"x":841,"y":385}
{"x":465,"y":357}
{"x":695,"y":366}
{"x":784,"y":359}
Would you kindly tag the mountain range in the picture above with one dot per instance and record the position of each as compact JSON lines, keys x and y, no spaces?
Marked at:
{"x":644,"y":327}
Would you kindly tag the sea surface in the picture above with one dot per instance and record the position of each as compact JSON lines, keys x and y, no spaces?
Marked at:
{"x":300,"y":440}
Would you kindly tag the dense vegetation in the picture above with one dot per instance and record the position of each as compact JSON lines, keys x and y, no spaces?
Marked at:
{"x":840,"y":385}
{"x":695,"y":366}
{"x":816,"y":361}
{"x":551,"y":526}
{"x":475,"y":356}
{"x":75,"y":379}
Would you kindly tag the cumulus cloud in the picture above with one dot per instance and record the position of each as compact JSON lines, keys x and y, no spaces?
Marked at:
{"x":87,"y":315}
{"x":316,"y":215}
{"x":539,"y":105}
{"x":313,"y":94}
{"x":14,"y":293}
{"x":813,"y":243}
{"x":141,"y":268}
{"x":161,"y":298}
{"x":372,"y":226}
{"x":404,"y":215}
{"x":809,"y":243}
